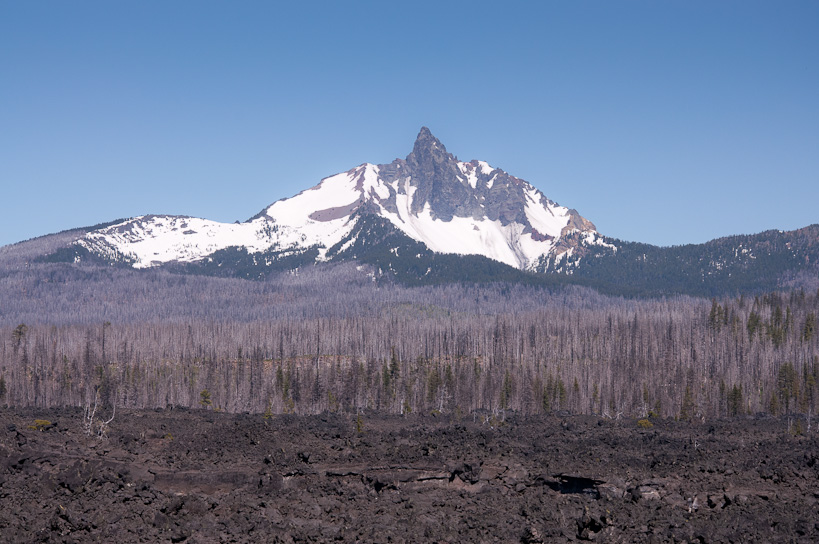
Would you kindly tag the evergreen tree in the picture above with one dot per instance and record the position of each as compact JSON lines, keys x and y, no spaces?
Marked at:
{"x":809,"y":327}
{"x":687,"y":406}
{"x":787,"y":385}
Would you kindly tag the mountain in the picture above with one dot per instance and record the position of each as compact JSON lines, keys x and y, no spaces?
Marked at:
{"x":448,"y":206}
{"x":731,"y":265}
{"x":430,"y":218}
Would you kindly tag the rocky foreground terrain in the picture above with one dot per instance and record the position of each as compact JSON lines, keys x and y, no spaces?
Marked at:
{"x":201,"y":476}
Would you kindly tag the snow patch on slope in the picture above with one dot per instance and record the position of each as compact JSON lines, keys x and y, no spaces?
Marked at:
{"x":512,"y":244}
{"x":152,"y":240}
{"x":311,"y":218}
{"x":468,"y":170}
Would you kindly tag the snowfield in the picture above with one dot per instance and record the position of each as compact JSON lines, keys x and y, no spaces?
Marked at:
{"x":323,"y":216}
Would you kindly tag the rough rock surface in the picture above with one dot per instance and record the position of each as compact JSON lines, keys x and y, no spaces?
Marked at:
{"x":441,"y":184}
{"x":200,"y":476}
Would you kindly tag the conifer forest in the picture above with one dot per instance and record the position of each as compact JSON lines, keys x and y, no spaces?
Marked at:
{"x":344,"y":339}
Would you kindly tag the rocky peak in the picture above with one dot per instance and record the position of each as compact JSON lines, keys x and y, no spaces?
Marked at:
{"x":428,"y":149}
{"x":434,"y":173}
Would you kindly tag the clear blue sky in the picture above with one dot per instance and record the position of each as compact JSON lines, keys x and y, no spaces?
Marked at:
{"x":664,"y":122}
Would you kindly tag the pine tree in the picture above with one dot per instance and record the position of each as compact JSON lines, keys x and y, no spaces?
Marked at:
{"x":808,"y":328}
{"x":735,"y":406}
{"x":506,"y":391}
{"x":753,"y":324}
{"x":687,"y":407}
{"x":547,"y":399}
{"x":787,"y":383}
{"x":773,"y":404}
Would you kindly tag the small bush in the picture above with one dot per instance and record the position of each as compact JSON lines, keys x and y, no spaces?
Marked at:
{"x":40,"y":425}
{"x":645,"y":424}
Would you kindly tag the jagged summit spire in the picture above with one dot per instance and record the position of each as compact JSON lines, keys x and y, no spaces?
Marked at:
{"x":426,"y":134}
{"x":426,"y":144}
{"x":432,"y":170}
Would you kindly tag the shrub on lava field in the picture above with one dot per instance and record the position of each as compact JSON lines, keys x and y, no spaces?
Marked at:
{"x":40,"y":425}
{"x":645,"y":424}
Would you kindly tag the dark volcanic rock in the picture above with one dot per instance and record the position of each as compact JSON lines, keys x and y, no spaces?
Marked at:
{"x":440,"y":183}
{"x":434,"y":173}
{"x":199,"y":476}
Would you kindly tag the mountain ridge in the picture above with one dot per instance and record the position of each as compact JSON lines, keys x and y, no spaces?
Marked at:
{"x":431,"y":218}
{"x":467,"y":208}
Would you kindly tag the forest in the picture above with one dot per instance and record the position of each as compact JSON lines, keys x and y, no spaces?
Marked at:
{"x":347,"y":338}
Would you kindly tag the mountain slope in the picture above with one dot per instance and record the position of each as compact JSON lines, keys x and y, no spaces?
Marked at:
{"x":734,"y":264}
{"x":430,"y":218}
{"x":465,"y":208}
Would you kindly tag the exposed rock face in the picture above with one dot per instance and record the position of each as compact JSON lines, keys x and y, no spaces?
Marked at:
{"x":443,"y":183}
{"x":434,"y":172}
{"x":200,"y":476}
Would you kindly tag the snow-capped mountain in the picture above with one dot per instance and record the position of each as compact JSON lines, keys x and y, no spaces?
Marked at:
{"x":449,"y":206}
